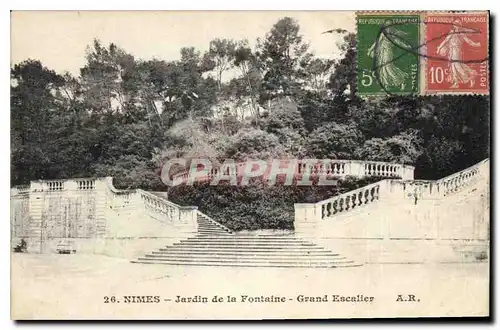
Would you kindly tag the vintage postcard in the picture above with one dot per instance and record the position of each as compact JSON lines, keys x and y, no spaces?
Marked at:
{"x":232,"y":165}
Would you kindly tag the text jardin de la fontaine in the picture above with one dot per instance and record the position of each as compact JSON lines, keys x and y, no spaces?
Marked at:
{"x":273,"y":299}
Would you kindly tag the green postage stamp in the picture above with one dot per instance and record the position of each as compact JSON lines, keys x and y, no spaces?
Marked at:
{"x":387,"y":53}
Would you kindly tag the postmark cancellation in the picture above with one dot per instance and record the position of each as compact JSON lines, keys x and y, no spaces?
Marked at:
{"x":422,"y":53}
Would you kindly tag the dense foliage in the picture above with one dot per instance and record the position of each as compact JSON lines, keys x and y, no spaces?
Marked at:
{"x":258,"y":205}
{"x":124,"y":117}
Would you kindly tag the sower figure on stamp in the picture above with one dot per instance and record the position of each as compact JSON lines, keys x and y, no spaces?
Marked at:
{"x":383,"y":52}
{"x":452,"y":48}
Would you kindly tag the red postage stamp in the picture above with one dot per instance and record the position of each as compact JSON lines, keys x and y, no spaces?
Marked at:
{"x":456,"y":56}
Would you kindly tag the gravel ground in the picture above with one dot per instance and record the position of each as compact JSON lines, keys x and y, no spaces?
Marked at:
{"x":76,"y":287}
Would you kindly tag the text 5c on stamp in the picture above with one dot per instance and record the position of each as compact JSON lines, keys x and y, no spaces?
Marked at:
{"x":387,"y":53}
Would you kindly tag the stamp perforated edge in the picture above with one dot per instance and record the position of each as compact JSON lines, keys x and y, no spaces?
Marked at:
{"x":383,"y":13}
{"x":424,"y":64}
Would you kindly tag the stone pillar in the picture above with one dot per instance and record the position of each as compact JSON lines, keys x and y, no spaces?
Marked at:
{"x":307,"y":217}
{"x":407,"y":172}
{"x":356,"y":169}
{"x":70,"y":185}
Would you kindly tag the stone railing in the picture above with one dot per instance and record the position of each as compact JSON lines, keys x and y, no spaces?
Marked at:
{"x":65,"y":184}
{"x":429,"y":189}
{"x":358,"y":168}
{"x":181,"y":217}
{"x":349,"y":200}
{"x":168,"y":211}
{"x":20,"y":190}
{"x":307,"y":214}
{"x":331,"y":167}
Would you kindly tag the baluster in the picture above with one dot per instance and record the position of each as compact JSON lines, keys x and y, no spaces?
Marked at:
{"x":334,"y":207}
{"x":347,"y":202}
{"x":353,"y":199}
{"x":341,"y":204}
{"x":328,"y":210}
{"x":323,"y":211}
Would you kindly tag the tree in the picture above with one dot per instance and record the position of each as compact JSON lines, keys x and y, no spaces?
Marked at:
{"x":252,"y":143}
{"x":283,"y":58}
{"x":284,"y":121}
{"x":343,"y":79}
{"x":251,"y":77}
{"x":404,"y":148}
{"x":108,"y":78}
{"x":33,"y":120}
{"x":334,"y":141}
{"x":317,"y":72}
{"x":220,"y":56}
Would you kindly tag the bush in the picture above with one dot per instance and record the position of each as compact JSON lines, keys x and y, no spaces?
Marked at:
{"x":257,"y":205}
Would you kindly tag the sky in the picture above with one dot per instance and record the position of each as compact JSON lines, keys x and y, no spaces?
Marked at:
{"x":59,"y":38}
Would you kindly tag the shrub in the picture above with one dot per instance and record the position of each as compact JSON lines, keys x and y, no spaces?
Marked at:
{"x":257,"y":205}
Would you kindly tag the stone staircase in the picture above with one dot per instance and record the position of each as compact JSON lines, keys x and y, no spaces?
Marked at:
{"x":215,"y":245}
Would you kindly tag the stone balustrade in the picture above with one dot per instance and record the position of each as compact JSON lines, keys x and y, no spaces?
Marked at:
{"x":350,"y":200}
{"x":330,"y":167}
{"x":429,"y":189}
{"x":65,"y":184}
{"x":20,"y":190}
{"x":307,"y":214}
{"x":171,"y":213}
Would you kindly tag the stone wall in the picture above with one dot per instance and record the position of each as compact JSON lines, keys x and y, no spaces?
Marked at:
{"x":97,"y":217}
{"x":405,"y":221}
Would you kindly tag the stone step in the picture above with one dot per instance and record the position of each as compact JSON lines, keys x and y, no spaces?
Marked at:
{"x":232,"y":265}
{"x":248,"y":252}
{"x":215,"y":230}
{"x":238,"y":236}
{"x":232,"y":239}
{"x":247,"y":262}
{"x":276,"y":256}
{"x":239,"y":243}
{"x":204,"y":226}
{"x":222,"y":241}
{"x":216,"y":249}
{"x":210,"y":232}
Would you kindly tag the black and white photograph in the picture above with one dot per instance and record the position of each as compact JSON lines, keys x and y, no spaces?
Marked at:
{"x":249,"y":165}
